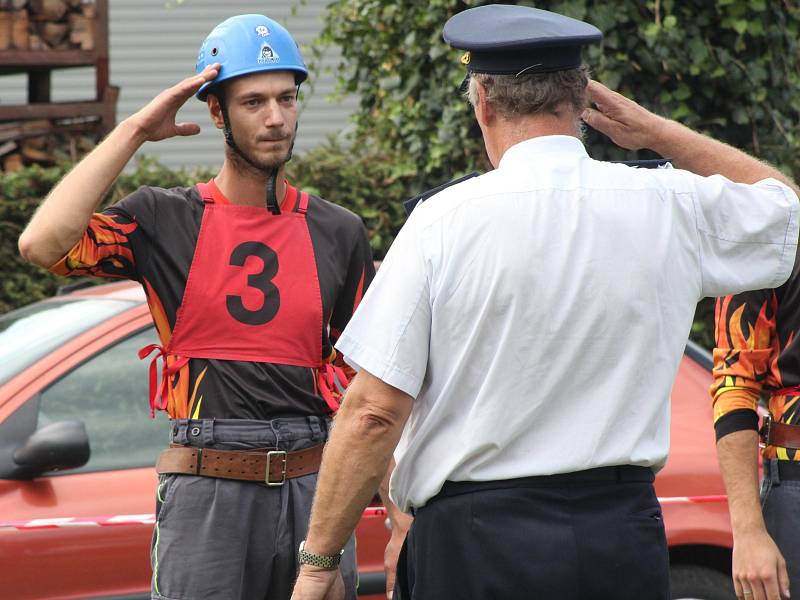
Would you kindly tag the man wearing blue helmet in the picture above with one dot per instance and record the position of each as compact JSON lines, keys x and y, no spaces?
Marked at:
{"x":243,"y":46}
{"x":250,"y":282}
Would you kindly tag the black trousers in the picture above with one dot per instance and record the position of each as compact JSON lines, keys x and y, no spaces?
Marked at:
{"x":595,"y":534}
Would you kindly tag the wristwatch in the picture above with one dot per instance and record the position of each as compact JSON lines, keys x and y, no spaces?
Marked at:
{"x":323,"y":561}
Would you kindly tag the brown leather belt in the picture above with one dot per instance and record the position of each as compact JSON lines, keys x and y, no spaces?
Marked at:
{"x":781,"y":435}
{"x":269,"y":466}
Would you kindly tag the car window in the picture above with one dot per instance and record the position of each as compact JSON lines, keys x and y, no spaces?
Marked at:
{"x":29,"y":333}
{"x":109,"y":394}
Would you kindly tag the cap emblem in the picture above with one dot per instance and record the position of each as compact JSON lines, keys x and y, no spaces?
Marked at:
{"x":262,"y":30}
{"x":267,"y":55}
{"x":465,"y":58}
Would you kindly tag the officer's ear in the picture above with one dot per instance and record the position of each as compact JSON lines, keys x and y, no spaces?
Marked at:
{"x":484,"y":111}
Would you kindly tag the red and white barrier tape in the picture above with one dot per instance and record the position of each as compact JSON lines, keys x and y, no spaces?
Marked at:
{"x":150,"y":519}
{"x":692,"y":499}
{"x":62,"y":522}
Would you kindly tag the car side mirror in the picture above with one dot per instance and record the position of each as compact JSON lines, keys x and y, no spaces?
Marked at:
{"x":54,"y":447}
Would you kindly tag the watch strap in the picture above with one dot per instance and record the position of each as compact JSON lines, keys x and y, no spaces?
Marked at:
{"x":323,"y":561}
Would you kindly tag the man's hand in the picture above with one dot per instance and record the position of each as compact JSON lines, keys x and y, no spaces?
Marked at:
{"x":759,"y":571}
{"x":156,"y":121}
{"x":314,"y":583}
{"x":401,"y":522}
{"x":625,"y":122}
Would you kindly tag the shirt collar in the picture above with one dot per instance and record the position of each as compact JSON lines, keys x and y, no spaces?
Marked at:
{"x":547,"y":144}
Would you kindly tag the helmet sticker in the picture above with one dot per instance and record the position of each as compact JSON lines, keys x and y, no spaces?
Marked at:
{"x":267,"y":55}
{"x":262,"y":30}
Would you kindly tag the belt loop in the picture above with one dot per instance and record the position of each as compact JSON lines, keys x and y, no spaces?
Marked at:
{"x":208,"y":432}
{"x":179,"y":432}
{"x":774,"y":472}
{"x":771,"y":477}
{"x":314,"y":426}
{"x":276,"y":432}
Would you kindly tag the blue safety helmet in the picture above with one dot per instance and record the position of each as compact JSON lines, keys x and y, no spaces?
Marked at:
{"x":248,"y":44}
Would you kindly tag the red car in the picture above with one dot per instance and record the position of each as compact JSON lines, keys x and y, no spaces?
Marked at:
{"x":76,"y":523}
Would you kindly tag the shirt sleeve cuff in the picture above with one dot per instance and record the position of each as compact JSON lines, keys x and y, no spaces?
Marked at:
{"x":359,"y":357}
{"x":737,"y":420}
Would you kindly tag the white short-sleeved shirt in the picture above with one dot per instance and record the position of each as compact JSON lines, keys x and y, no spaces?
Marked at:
{"x":538,"y":313}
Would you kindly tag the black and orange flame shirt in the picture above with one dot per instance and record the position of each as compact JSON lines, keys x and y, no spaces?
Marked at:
{"x":150,"y":237}
{"x":757,"y":352}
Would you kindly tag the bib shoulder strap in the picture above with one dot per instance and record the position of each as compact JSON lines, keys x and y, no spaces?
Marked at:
{"x":302,"y":203}
{"x":205,"y":192}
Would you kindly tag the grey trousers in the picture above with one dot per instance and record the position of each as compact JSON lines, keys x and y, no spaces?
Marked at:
{"x":236,"y":540}
{"x":780,"y":501}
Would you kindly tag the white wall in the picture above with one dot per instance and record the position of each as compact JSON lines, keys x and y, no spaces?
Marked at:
{"x":154,"y":44}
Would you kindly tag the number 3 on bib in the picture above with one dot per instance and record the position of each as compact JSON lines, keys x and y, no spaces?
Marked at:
{"x":262,"y":281}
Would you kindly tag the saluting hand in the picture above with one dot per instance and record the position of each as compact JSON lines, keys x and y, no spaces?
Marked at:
{"x":627,"y":124}
{"x":156,"y":121}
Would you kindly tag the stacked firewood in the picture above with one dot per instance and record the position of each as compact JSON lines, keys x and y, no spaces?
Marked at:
{"x":47,"y":24}
{"x":45,"y":142}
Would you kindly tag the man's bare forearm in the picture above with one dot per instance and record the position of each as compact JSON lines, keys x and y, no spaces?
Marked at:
{"x":632,"y":126}
{"x":364,"y":435}
{"x":705,"y":156}
{"x":62,"y":218}
{"x":738,"y":460}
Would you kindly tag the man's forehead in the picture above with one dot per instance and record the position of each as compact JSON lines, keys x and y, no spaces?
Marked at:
{"x":268,"y":82}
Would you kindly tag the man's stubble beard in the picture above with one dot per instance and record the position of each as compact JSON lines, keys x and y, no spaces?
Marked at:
{"x":249,"y":165}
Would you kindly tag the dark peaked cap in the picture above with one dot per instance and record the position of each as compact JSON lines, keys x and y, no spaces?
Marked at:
{"x":516,"y":40}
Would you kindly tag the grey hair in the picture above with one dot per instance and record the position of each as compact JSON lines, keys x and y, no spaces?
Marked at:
{"x":532,"y":94}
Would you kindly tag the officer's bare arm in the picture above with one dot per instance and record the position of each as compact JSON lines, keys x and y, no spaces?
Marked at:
{"x":62,"y":218}
{"x":356,"y":458}
{"x":633,"y":127}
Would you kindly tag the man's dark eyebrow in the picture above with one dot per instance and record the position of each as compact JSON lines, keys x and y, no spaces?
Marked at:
{"x":257,"y":95}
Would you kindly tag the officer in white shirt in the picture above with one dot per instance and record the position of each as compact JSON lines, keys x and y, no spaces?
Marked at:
{"x":525,"y":328}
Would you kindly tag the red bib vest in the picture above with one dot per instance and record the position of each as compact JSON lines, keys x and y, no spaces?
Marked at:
{"x":252,"y":294}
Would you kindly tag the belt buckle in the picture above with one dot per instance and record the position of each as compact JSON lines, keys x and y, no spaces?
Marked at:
{"x":270,"y":454}
{"x":763,"y":433}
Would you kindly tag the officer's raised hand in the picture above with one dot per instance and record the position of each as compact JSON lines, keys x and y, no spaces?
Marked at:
{"x":627,"y":124}
{"x":156,"y":121}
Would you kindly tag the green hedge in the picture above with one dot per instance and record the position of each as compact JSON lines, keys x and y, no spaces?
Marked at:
{"x":20,"y":195}
{"x":727,"y":67}
{"x":359,"y":180}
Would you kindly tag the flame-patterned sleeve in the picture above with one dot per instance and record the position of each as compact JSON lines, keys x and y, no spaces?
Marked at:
{"x":115,"y":240}
{"x":745,"y":358}
{"x":103,"y":251}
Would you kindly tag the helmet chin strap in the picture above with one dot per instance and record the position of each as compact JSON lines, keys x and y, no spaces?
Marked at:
{"x":271,"y":198}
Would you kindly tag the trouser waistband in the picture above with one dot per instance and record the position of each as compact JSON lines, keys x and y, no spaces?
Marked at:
{"x":617,"y":474}
{"x":282,"y":433}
